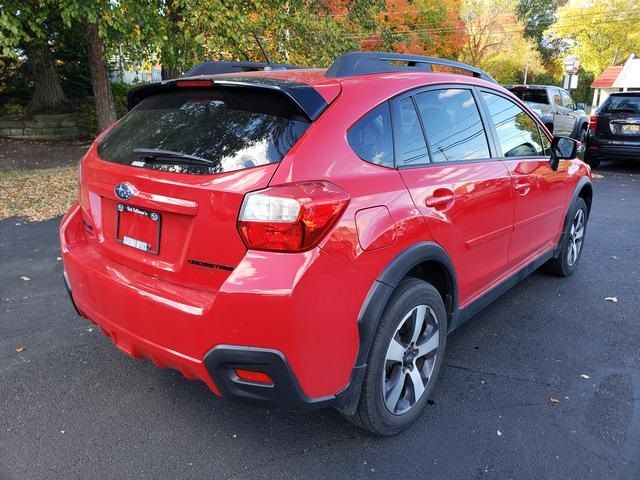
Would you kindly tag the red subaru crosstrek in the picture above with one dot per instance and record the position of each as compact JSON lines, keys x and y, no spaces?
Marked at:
{"x":308,"y":238}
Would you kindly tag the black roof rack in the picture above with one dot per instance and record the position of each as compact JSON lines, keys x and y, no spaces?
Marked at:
{"x":364,"y":63}
{"x":215,"y":68}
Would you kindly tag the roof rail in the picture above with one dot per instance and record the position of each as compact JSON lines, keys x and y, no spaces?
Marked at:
{"x":364,"y":63}
{"x":217,"y":67}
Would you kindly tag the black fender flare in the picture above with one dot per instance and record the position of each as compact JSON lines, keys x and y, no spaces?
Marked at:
{"x":584,"y":182}
{"x":377,"y":299}
{"x":388,"y":280}
{"x":580,"y":121}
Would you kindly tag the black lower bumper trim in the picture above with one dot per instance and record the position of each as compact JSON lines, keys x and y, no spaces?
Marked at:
{"x":285,"y":392}
{"x":67,"y":286}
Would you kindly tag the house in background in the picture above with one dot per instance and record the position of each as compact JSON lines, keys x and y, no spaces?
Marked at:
{"x":623,"y":78}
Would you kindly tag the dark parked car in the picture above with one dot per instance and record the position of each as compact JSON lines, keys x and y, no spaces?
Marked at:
{"x":555,"y":107}
{"x":614,"y":129}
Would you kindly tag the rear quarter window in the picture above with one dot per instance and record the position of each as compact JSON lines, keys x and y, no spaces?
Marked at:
{"x":371,"y":137}
{"x":230,"y":129}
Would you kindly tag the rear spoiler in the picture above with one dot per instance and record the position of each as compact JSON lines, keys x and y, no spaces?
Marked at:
{"x":305,"y":97}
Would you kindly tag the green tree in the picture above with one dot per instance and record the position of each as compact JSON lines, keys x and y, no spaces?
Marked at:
{"x":599,"y":32}
{"x":495,"y":41}
{"x":30,"y":28}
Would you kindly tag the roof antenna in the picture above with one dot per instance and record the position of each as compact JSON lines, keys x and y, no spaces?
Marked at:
{"x":264,"y":54}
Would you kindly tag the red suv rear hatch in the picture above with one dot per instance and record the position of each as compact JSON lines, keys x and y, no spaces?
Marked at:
{"x":187,"y":157}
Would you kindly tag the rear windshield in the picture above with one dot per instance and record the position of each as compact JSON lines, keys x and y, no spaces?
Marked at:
{"x":205,"y":131}
{"x":538,"y":95}
{"x":622,"y":103}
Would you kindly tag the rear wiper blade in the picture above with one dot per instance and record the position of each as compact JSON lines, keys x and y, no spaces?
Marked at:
{"x":152,"y":154}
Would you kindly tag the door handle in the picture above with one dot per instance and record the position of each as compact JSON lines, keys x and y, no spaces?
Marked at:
{"x":522,"y":187}
{"x":441,"y":199}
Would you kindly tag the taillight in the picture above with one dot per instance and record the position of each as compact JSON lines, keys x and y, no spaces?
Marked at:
{"x":593,"y":119}
{"x":290,"y":218}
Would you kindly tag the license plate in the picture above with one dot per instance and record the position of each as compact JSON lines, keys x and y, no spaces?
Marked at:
{"x":138,"y":228}
{"x":631,"y":129}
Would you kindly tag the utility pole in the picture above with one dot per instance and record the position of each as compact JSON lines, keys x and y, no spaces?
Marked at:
{"x":526,"y":72}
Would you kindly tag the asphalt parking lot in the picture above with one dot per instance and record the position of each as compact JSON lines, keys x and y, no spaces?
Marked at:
{"x":73,"y":406}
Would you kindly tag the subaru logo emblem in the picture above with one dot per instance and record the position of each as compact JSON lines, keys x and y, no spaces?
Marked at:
{"x":124,"y":191}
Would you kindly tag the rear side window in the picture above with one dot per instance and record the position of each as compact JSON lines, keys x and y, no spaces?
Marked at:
{"x":222,"y":130}
{"x":518,"y":134}
{"x":412,"y":148}
{"x":622,"y":103}
{"x":371,"y":137}
{"x":532,"y":95}
{"x":453,"y":125}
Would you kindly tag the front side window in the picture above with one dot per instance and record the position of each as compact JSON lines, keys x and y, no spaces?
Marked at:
{"x":205,"y":131}
{"x":371,"y":138}
{"x":518,"y":133}
{"x":453,"y":125}
{"x":557,"y":99}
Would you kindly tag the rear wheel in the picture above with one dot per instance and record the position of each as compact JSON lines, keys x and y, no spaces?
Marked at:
{"x":572,"y":243}
{"x":590,"y":160}
{"x":405,"y":359}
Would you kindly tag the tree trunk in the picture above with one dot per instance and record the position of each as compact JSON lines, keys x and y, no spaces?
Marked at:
{"x":105,"y":109}
{"x":48,"y":95}
{"x":169,"y":72}
{"x":168,"y":53}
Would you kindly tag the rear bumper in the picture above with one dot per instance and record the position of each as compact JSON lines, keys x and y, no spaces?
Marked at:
{"x":294,"y":322}
{"x":613,"y":149}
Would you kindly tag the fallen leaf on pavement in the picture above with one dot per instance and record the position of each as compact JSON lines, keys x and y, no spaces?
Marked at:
{"x":499,"y":433}
{"x":554,"y":400}
{"x":586,"y":377}
{"x":615,"y":258}
{"x":612,"y":299}
{"x":24,"y":279}
{"x":20,"y":349}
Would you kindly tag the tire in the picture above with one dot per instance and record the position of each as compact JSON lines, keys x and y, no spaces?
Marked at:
{"x":400,"y":378}
{"x":590,"y":160}
{"x":582,"y":137}
{"x":571,"y":245}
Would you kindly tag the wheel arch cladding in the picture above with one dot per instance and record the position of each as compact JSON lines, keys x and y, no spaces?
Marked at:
{"x":584,"y":190}
{"x":586,"y":193}
{"x":427,"y":261}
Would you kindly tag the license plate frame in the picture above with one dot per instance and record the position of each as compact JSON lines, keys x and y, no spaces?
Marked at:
{"x":141,"y":245}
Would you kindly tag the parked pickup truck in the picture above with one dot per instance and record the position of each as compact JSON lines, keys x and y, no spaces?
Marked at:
{"x":560,"y":114}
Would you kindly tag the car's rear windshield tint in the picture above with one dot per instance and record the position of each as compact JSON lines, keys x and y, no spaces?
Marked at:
{"x":537,"y":95}
{"x":622,"y":103}
{"x":226,"y":128}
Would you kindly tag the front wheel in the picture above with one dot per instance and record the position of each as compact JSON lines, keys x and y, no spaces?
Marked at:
{"x":571,"y":243}
{"x":405,"y":359}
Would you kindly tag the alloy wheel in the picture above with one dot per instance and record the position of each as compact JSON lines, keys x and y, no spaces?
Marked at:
{"x":410,"y":359}
{"x":576,"y":237}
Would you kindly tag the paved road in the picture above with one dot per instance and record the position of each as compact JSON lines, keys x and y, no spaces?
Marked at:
{"x":72,"y":406}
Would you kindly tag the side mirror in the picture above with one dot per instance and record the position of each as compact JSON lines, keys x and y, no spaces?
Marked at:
{"x":580,"y":106}
{"x":562,"y":148}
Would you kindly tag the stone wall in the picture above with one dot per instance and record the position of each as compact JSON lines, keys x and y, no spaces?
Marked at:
{"x":64,"y":126}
